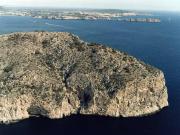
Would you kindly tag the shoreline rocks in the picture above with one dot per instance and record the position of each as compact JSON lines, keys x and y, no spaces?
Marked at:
{"x":57,"y":74}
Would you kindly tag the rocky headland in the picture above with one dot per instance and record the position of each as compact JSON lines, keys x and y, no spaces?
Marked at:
{"x":146,"y":20}
{"x":57,"y":74}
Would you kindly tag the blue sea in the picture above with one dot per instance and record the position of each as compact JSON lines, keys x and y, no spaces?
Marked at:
{"x":155,"y":43}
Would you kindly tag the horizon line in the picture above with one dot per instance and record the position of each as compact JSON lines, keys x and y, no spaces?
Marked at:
{"x":90,"y":8}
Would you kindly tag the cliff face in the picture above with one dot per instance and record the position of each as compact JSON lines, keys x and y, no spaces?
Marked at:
{"x":57,"y":74}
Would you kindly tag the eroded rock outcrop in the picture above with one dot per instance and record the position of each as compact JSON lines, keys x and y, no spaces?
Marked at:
{"x":57,"y":74}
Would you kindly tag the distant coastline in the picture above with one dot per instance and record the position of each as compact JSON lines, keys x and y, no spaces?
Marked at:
{"x":78,"y":14}
{"x":67,"y":14}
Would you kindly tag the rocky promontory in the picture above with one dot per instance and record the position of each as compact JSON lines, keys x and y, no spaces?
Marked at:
{"x":57,"y":74}
{"x":146,"y":20}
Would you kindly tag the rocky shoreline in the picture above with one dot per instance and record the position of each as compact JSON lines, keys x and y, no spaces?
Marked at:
{"x":57,"y":74}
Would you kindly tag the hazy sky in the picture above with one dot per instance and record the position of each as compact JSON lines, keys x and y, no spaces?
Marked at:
{"x":118,"y":4}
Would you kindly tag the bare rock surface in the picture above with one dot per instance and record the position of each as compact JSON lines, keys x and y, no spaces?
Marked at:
{"x":57,"y":74}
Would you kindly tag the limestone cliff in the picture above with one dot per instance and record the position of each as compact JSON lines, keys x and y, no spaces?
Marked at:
{"x":57,"y":74}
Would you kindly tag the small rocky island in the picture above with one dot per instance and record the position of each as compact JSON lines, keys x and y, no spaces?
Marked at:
{"x":146,"y":20}
{"x":57,"y":74}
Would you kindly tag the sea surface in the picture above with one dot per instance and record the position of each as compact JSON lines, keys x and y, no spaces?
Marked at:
{"x":155,"y":43}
